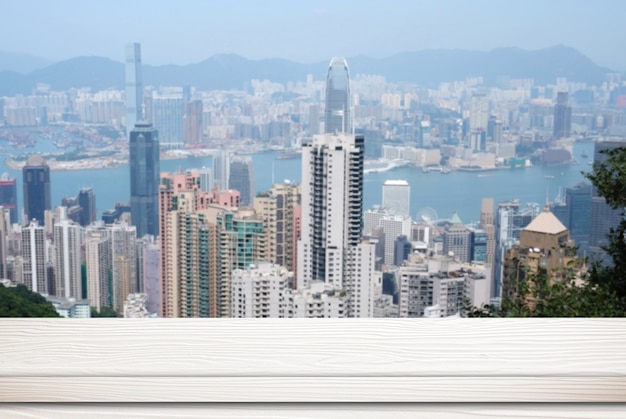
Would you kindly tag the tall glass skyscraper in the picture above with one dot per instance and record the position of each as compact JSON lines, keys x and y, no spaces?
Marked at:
{"x":8,"y":195}
{"x":134,"y":86}
{"x":338,"y":112}
{"x":242,"y":179}
{"x":36,"y":179}
{"x":144,"y":179}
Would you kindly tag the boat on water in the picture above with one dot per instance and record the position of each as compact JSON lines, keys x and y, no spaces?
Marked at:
{"x":289,"y":155}
{"x":548,"y":177}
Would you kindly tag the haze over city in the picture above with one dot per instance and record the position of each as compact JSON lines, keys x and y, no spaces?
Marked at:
{"x":190,"y":31}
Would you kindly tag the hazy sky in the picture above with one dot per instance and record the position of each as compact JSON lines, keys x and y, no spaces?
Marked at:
{"x":185,"y":31}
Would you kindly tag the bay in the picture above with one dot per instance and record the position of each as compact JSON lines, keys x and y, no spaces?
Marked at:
{"x":445,"y":193}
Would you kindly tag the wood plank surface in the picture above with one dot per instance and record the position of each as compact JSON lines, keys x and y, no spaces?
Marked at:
{"x":315,"y":410}
{"x":304,"y":360}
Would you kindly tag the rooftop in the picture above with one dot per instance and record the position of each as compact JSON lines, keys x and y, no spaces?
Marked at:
{"x":546,"y":222}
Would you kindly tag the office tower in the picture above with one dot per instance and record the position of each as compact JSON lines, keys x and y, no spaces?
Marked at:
{"x":193,"y":123}
{"x":68,"y":258}
{"x":144,"y":179}
{"x":99,"y":267}
{"x":168,"y":114}
{"x":5,"y":224}
{"x":87,"y":202}
{"x":36,"y":183}
{"x":545,"y":246}
{"x":276,"y":209}
{"x":393,"y":227}
{"x":338,"y":111}
{"x":330,"y":247}
{"x":478,"y":141}
{"x":562,"y":116}
{"x":221,"y":169}
{"x":578,"y":203}
{"x":34,"y":256}
{"x":314,"y":120}
{"x":510,"y":220}
{"x":8,"y":195}
{"x":401,"y":249}
{"x":479,"y":112}
{"x":603,"y":217}
{"x":457,"y":240}
{"x":479,"y":251}
{"x":134,"y":86}
{"x":397,"y":197}
{"x":206,"y":179}
{"x":242,"y":179}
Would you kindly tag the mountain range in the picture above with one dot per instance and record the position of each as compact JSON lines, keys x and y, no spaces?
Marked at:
{"x":228,"y":71}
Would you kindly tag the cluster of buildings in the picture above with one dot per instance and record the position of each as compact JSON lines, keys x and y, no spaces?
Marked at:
{"x":204,"y":243}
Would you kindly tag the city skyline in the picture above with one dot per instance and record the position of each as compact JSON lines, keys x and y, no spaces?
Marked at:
{"x":391,"y":28}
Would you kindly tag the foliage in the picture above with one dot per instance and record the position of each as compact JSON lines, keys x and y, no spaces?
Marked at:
{"x":104,"y":312}
{"x":599,"y":293}
{"x":19,"y":301}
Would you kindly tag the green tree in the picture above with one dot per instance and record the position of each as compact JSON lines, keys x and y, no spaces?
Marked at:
{"x":104,"y":312}
{"x":19,"y":301}
{"x":609,"y":178}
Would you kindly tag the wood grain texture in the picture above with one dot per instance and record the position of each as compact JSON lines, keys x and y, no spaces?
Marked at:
{"x":316,"y":410}
{"x":302,"y":360}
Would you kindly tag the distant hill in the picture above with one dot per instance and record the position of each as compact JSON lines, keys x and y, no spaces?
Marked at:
{"x":21,"y":63}
{"x":229,"y":71}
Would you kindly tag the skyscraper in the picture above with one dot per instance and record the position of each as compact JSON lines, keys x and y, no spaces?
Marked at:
{"x":134,"y":86}
{"x":603,"y":217}
{"x":8,"y":195}
{"x":330,"y":247}
{"x":242,"y":179}
{"x":562,"y":116}
{"x":193,"y":123}
{"x":144,"y":179}
{"x":221,"y":169}
{"x":87,"y":203}
{"x":397,"y":196}
{"x":34,"y":254}
{"x":67,"y":270}
{"x":168,"y":114}
{"x":479,"y":112}
{"x":36,"y":178}
{"x":338,"y":112}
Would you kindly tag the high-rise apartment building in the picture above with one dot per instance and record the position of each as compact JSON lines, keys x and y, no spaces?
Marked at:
{"x":562,"y":116}
{"x":241,"y":244}
{"x":330,"y":247}
{"x":124,"y":263}
{"x":8,"y":195}
{"x":338,"y":111}
{"x":68,"y":258}
{"x":36,"y":183}
{"x":397,"y":197}
{"x":87,"y":202}
{"x":5,"y":223}
{"x":544,"y":246}
{"x":134,"y":86}
{"x":242,"y":179}
{"x":276,"y":208}
{"x":98,"y":262}
{"x":144,"y":179}
{"x":479,"y":112}
{"x":35,"y":260}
